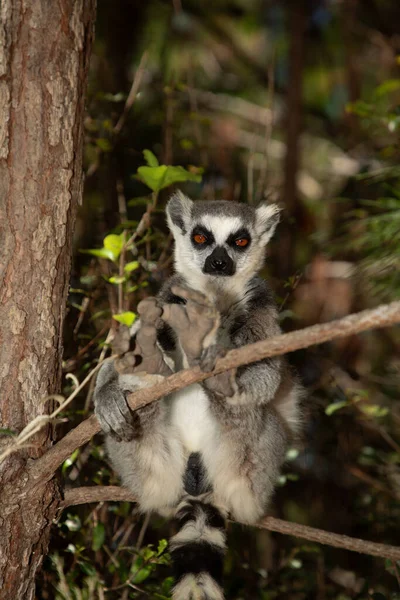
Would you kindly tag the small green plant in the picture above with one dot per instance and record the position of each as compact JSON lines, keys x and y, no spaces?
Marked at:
{"x":128,"y":276}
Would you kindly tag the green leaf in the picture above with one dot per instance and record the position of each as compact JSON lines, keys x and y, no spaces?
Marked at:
{"x":100,"y":253}
{"x":104,"y":144}
{"x":391,"y":85}
{"x":99,"y":534}
{"x":162,"y":545}
{"x":139,"y":201}
{"x":116,"y":279}
{"x":373,"y":410}
{"x":158,"y":178}
{"x":295,"y":563}
{"x":131,"y":266}
{"x":70,"y":461}
{"x":114,"y":243}
{"x":334,"y":407}
{"x":292,"y":453}
{"x":126,"y":318}
{"x":150,"y":158}
{"x":73,"y":522}
{"x":114,"y":97}
{"x":142,"y":575}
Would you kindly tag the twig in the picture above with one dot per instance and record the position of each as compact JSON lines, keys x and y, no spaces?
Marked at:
{"x":133,"y":93}
{"x":142,"y":531}
{"x":382,"y":316}
{"x":356,"y":472}
{"x":70,"y":364}
{"x":110,"y":336}
{"x":121,"y":271}
{"x":268,"y":129}
{"x":114,"y":493}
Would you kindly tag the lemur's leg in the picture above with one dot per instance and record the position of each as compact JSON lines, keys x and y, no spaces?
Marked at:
{"x":143,"y":447}
{"x":245,"y":465}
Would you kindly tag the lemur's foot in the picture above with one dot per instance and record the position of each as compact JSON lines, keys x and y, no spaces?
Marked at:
{"x":196,"y":324}
{"x":146,"y":356}
{"x":224,"y":384}
{"x":210,"y":356}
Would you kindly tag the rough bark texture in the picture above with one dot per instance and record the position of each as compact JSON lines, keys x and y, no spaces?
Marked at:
{"x":44,"y":53}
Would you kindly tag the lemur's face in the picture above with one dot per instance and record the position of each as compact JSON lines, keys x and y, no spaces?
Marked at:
{"x":219,"y":239}
{"x":220,"y":246}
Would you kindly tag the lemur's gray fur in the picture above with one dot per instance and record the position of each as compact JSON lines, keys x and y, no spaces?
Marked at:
{"x":214,"y":448}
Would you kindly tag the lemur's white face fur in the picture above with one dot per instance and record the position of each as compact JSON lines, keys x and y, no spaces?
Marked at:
{"x":219,"y":243}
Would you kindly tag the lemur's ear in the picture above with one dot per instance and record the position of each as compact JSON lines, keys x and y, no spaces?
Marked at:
{"x":267,"y":218}
{"x":179,"y":212}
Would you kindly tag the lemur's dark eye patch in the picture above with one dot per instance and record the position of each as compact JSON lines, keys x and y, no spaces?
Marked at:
{"x":201,"y":237}
{"x":240,"y":239}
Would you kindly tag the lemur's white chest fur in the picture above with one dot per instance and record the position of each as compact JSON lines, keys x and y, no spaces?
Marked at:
{"x":191,"y":416}
{"x":190,"y":407}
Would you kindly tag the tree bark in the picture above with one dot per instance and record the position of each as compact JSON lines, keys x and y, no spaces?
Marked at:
{"x":44,"y":56}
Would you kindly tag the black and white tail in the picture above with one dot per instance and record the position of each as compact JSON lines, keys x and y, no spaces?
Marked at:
{"x":198,"y":551}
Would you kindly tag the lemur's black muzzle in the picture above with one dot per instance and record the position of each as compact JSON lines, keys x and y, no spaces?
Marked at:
{"x":219,"y":263}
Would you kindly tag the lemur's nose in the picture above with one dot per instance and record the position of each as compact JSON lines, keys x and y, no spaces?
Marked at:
{"x":218,"y":264}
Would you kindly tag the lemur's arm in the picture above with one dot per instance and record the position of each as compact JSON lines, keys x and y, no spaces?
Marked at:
{"x":257,"y":382}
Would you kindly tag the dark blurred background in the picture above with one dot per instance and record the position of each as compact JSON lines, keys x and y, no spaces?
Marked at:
{"x":296,"y":102}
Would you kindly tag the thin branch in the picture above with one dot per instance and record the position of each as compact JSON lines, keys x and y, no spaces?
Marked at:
{"x":133,"y":93}
{"x":96,"y":493}
{"x":114,"y":493}
{"x":381,"y":316}
{"x":330,"y":539}
{"x":268,"y":129}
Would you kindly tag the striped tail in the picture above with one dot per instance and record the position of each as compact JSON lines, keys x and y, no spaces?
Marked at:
{"x":197,"y":552}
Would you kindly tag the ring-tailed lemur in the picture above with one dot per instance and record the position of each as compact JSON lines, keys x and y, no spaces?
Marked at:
{"x":215,"y":448}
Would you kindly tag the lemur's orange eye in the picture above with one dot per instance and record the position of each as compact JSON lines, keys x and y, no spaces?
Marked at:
{"x":199,"y":238}
{"x":242,"y":242}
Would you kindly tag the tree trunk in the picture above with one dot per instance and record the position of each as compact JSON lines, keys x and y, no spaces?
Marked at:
{"x":44,"y":56}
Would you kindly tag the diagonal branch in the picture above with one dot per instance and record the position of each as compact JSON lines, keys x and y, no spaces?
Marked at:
{"x":382,"y":316}
{"x":84,"y":495}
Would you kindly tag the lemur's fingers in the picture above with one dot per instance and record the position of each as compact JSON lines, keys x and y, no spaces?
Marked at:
{"x":121,"y":341}
{"x":149,"y":311}
{"x":176,"y":316}
{"x":126,"y":363}
{"x":191,"y":295}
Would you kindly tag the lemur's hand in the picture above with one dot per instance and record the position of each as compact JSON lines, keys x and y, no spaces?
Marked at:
{"x":111,"y":407}
{"x":146,"y":356}
{"x":196,"y":324}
